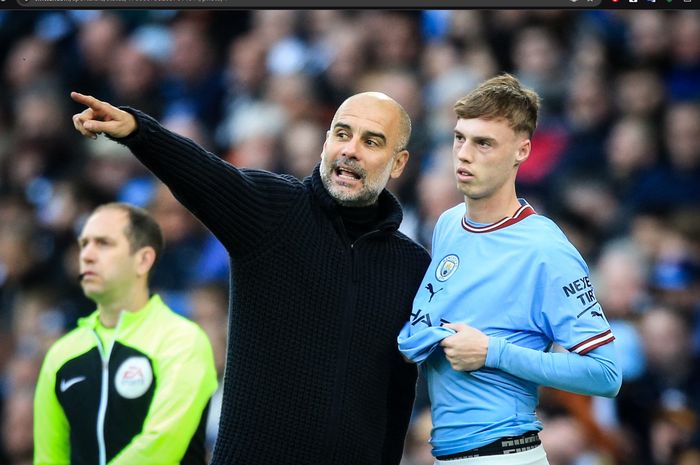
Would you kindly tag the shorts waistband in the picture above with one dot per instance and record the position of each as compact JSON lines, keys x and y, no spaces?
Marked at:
{"x":505,"y":445}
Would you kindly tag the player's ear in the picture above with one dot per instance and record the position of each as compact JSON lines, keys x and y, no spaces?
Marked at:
{"x":523,"y":151}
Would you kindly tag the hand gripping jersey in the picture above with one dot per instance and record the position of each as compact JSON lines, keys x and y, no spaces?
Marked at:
{"x":139,"y":399}
{"x":526,"y":287}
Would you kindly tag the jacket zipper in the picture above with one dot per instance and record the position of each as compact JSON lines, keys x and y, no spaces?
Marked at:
{"x":344,"y":351}
{"x":104,"y":391}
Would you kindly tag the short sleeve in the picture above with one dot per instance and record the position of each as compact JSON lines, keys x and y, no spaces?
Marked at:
{"x":570,"y":314}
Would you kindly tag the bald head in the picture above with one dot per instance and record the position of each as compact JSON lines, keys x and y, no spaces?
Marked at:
{"x":388,"y":107}
{"x":365,"y":147}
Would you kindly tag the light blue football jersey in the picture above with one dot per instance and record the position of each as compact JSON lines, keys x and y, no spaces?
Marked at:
{"x":521,"y":282}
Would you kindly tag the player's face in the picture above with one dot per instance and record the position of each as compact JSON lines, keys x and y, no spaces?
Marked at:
{"x":358,"y":155}
{"x":486,"y":156}
{"x":108,"y":268}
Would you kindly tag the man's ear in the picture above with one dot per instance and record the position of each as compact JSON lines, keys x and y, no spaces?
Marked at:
{"x":325,"y":142}
{"x":145,"y":258}
{"x":399,"y":161}
{"x":523,"y":151}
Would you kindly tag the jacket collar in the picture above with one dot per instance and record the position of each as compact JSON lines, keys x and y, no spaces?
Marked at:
{"x":390,"y":213}
{"x":127,"y":318}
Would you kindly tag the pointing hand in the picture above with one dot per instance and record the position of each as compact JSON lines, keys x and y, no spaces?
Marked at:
{"x":101,"y":117}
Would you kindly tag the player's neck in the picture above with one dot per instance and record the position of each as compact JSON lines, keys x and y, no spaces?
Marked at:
{"x":130,"y":302}
{"x":494,"y":208}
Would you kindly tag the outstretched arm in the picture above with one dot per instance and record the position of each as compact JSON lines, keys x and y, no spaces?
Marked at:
{"x":101,"y":117}
{"x":594,"y":373}
{"x":241,"y":207}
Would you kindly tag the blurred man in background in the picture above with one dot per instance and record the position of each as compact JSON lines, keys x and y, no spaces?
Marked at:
{"x":131,"y":384}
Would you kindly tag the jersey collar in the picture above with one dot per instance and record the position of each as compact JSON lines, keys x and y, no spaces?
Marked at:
{"x":523,"y":212}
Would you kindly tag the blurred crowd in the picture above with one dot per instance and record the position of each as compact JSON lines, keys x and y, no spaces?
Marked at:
{"x":615,"y":162}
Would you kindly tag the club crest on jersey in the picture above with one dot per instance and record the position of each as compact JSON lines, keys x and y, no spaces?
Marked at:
{"x":133,"y":377}
{"x":447,"y":267}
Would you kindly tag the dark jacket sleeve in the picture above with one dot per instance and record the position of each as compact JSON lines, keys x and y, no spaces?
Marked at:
{"x":402,"y":392}
{"x":239,"y":206}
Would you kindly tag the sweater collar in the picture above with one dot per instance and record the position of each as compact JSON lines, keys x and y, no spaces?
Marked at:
{"x":390,"y":213}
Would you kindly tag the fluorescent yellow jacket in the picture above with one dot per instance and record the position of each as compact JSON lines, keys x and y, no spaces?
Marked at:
{"x":142,"y":400}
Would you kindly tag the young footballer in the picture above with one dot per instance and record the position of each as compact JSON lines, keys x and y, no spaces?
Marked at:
{"x":503,"y":287}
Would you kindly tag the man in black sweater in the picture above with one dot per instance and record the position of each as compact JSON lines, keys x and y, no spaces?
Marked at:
{"x":322,"y":281}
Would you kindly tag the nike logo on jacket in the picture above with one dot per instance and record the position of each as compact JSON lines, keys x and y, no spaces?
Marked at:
{"x":66,"y":384}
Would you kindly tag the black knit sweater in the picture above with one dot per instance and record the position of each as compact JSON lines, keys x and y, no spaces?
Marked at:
{"x":313,"y":375}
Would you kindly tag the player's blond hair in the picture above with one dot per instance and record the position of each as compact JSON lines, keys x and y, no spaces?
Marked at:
{"x":502,"y":97}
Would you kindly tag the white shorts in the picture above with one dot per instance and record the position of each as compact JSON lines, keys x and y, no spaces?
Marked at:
{"x":536,"y":456}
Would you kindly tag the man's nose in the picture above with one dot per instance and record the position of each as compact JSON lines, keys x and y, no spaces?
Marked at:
{"x":87,"y":253}
{"x":350,"y":148}
{"x":465,"y":153}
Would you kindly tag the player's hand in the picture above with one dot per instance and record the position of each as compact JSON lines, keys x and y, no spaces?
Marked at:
{"x":101,"y":117}
{"x":465,"y":350}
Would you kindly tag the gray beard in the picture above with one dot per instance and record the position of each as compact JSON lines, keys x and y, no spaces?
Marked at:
{"x":366,"y":196}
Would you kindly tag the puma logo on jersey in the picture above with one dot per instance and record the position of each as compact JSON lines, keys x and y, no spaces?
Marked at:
{"x":594,"y":313}
{"x":66,"y":384}
{"x":429,"y":287}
